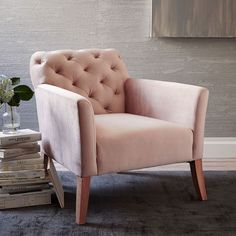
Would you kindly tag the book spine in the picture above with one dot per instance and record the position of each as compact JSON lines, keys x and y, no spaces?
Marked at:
{"x":23,"y":200}
{"x":6,"y":153}
{"x":21,"y":163}
{"x":11,"y":182}
{"x":22,"y":174}
{"x":25,"y":167}
{"x":22,"y":157}
{"x":22,"y":145}
{"x":23,"y":188}
{"x":20,"y":139}
{"x":52,"y":173}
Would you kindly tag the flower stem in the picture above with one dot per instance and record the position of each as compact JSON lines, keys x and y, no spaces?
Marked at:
{"x":12,"y":118}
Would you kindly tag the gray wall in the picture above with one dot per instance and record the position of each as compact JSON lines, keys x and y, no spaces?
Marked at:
{"x":27,"y":26}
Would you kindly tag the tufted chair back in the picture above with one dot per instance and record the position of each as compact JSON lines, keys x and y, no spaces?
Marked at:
{"x":97,"y":74}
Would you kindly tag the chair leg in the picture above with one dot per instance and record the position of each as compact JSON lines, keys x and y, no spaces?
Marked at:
{"x":82,"y":199}
{"x":198,"y":179}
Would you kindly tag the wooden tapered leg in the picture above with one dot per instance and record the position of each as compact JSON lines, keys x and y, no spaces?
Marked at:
{"x":82,"y":198}
{"x":198,"y":179}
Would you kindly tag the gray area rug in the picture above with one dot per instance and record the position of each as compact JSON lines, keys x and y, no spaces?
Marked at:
{"x":138,"y":203}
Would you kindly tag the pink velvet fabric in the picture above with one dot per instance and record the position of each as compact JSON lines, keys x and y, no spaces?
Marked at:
{"x":83,"y":100}
{"x":178,"y":103}
{"x":97,"y":75}
{"x":127,"y":142}
{"x":66,"y":121}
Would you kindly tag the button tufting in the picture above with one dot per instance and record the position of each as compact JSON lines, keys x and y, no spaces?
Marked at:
{"x":38,"y":61}
{"x":96,"y":75}
{"x":102,"y":81}
{"x":113,"y":68}
{"x":90,"y":95}
{"x":58,"y":71}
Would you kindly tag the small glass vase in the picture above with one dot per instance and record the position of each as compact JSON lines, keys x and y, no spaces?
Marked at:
{"x":11,"y":120}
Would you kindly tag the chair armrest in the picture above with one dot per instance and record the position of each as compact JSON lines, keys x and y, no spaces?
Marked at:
{"x":66,"y":121}
{"x":179,"y":103}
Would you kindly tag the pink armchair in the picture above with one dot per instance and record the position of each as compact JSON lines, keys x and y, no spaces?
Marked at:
{"x":94,"y":119}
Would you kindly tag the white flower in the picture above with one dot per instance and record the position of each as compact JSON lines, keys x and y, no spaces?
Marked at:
{"x":6,"y":92}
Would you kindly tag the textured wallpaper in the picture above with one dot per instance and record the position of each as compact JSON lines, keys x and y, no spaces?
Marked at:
{"x":27,"y":26}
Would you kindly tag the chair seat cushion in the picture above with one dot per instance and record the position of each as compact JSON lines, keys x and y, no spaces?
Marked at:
{"x":126,"y":142}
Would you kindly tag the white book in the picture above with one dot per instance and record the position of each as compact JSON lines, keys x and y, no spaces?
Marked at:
{"x":56,"y":182}
{"x":22,"y":174}
{"x":22,"y":167}
{"x":22,"y":145}
{"x":31,"y":160}
{"x":14,"y":152}
{"x":23,"y":136}
{"x":23,"y":188}
{"x":8,"y":182}
{"x":25,"y":199}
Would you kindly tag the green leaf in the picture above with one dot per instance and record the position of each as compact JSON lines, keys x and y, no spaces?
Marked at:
{"x":24,"y":92}
{"x":15,"y":101}
{"x":15,"y":80}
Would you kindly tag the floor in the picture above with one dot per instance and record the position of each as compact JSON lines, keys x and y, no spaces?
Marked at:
{"x":210,"y":164}
{"x":140,"y":203}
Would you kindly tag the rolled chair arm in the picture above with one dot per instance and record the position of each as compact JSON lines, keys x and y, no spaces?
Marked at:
{"x":179,"y":103}
{"x":66,"y":121}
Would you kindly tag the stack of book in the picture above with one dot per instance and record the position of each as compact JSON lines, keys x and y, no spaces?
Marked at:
{"x":24,"y":179}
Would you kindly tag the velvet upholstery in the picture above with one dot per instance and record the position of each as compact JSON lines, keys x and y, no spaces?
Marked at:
{"x":94,"y":119}
{"x":98,"y":75}
{"x":66,"y":121}
{"x":179,"y":103}
{"x":126,"y":141}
